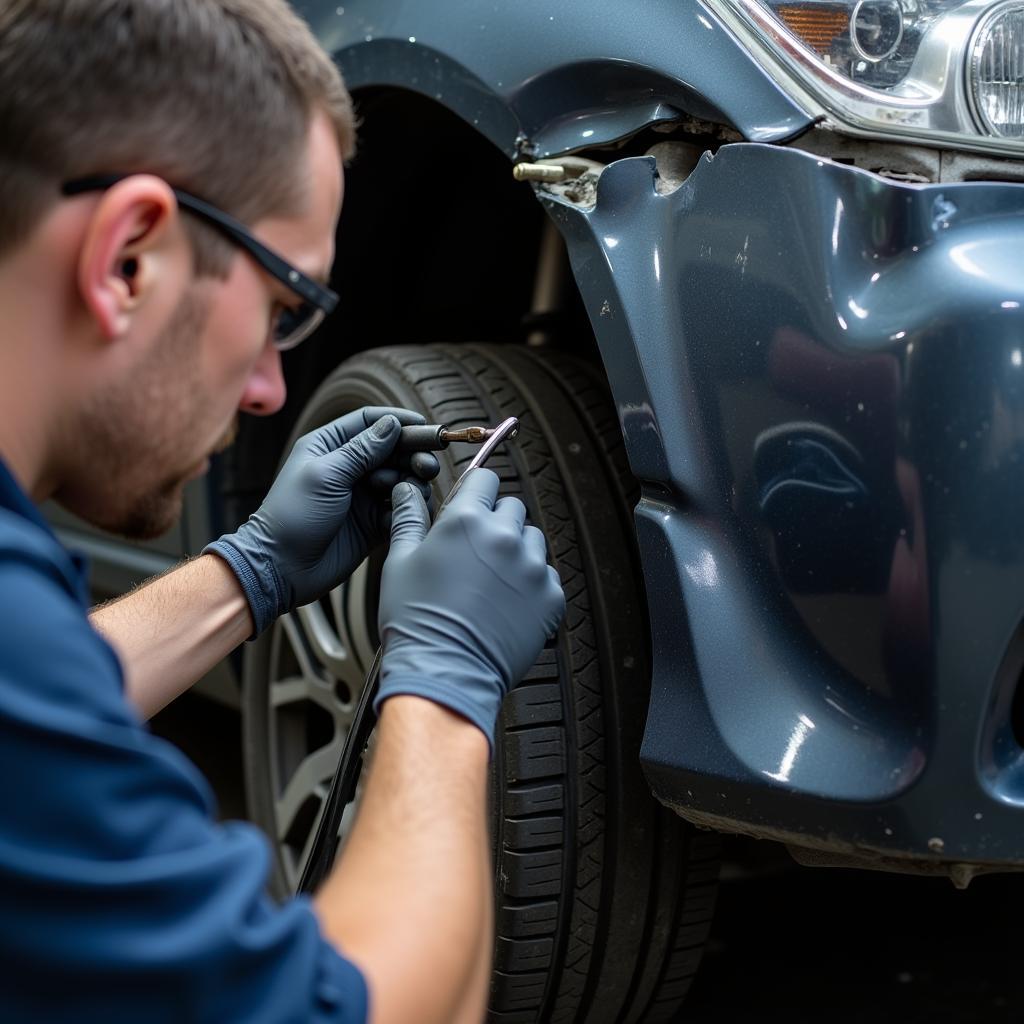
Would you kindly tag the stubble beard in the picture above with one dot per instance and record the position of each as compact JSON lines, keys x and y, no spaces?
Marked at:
{"x":132,"y":440}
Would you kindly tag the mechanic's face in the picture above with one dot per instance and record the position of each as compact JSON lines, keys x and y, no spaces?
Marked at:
{"x":213,"y":359}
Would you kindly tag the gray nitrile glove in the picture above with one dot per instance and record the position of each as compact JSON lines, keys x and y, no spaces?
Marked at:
{"x":323,"y":513}
{"x":465,"y":608}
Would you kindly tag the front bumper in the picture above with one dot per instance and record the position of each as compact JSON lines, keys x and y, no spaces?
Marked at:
{"x":819,"y":377}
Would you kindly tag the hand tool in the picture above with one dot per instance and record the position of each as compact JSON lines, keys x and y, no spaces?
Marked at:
{"x":435,"y":437}
{"x":343,"y":785}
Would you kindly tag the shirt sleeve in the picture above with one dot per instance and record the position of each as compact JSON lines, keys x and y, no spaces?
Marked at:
{"x":121,"y":899}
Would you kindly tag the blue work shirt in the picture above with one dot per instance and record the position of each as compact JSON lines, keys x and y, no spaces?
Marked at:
{"x":121,"y":898}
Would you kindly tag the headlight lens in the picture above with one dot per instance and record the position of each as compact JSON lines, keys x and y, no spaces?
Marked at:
{"x":873,"y":42}
{"x":997,"y":71}
{"x":936,"y":71}
{"x":876,"y":31}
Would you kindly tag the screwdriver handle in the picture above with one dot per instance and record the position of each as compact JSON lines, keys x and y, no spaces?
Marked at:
{"x":425,"y":438}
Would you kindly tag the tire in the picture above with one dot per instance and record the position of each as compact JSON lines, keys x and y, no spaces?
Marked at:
{"x":603,"y":898}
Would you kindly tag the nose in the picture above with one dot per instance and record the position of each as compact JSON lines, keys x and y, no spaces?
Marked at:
{"x":265,"y":389}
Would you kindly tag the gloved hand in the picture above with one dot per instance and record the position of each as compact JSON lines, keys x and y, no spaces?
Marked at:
{"x":323,"y":513}
{"x":465,"y":608}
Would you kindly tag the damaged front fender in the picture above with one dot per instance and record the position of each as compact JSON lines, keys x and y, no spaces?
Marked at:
{"x":818,"y":374}
{"x":548,"y":74}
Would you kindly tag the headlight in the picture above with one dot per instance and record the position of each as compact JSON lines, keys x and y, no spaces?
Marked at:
{"x":942,"y":72}
{"x":997,"y":71}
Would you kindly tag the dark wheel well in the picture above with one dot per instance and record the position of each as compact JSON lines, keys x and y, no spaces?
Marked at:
{"x":436,"y":242}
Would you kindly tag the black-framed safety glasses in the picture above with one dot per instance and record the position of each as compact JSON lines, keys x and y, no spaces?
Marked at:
{"x":294,"y":323}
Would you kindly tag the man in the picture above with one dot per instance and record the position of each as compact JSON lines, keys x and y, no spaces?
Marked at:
{"x":137,"y":323}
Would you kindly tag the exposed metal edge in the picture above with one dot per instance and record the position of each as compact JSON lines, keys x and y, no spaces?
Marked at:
{"x":832,"y":851}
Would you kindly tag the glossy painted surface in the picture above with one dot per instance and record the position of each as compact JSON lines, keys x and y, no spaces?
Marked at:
{"x":819,"y":375}
{"x":819,"y":378}
{"x":563,"y":75}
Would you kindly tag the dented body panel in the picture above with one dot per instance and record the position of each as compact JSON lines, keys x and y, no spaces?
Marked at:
{"x":819,"y":378}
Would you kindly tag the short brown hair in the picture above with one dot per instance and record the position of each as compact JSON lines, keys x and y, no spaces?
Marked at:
{"x":214,"y":96}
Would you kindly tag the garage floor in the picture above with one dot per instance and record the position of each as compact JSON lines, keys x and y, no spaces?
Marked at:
{"x":789,"y":944}
{"x":820,"y":945}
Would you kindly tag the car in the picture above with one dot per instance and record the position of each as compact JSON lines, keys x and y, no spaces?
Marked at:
{"x":751,"y":274}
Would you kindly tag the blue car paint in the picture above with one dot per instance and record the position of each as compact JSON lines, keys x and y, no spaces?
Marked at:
{"x":874,"y":330}
{"x":818,"y":378}
{"x":560,"y":75}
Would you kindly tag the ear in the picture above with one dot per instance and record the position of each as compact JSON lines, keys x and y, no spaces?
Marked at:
{"x":125,"y":250}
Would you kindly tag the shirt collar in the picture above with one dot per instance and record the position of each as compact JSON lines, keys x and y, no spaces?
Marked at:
{"x":13,"y":497}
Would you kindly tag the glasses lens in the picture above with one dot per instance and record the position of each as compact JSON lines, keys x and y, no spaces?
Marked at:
{"x":296,"y":323}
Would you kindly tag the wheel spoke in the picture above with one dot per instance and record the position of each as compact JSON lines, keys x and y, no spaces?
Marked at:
{"x":352,"y":620}
{"x":295,"y":863}
{"x":337,"y":598}
{"x":295,"y":689}
{"x":326,"y":645}
{"x":297,"y":639}
{"x":307,"y":844}
{"x":318,"y":658}
{"x":309,"y":780}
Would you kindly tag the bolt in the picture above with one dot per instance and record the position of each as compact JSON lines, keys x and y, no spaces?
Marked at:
{"x":551,"y":173}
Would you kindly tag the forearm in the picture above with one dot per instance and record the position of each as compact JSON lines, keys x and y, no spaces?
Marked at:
{"x":409,"y":900}
{"x":174,"y":629}
{"x":474,"y":1005}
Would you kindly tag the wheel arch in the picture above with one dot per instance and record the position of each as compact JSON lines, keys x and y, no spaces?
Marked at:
{"x":557,"y":74}
{"x":436,"y":242}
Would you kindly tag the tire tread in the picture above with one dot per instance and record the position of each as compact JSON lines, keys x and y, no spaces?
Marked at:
{"x":604,"y":899}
